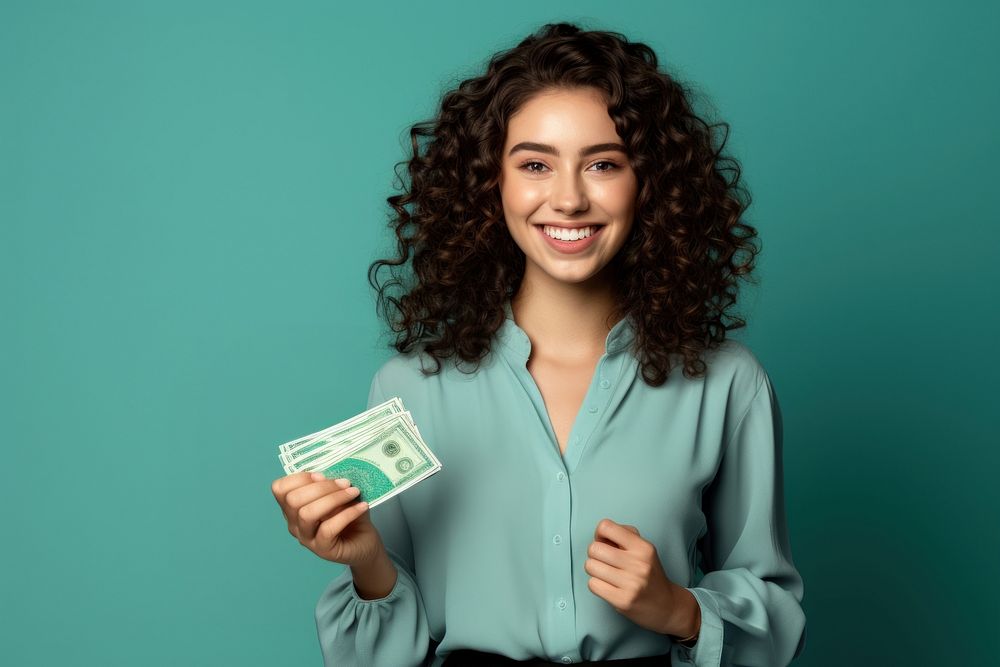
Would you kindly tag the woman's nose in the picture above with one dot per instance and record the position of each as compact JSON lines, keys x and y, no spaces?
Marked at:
{"x":568,"y":193}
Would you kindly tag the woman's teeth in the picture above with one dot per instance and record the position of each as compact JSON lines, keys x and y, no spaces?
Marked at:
{"x":568,"y":234}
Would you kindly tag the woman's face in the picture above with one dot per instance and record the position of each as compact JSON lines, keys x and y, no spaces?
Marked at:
{"x":564,"y":166}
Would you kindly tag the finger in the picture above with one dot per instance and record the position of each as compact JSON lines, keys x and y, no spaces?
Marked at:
{"x":605,"y":591}
{"x":609,"y":573}
{"x":330,"y":529}
{"x":281,"y":486}
{"x":303,"y":495}
{"x":618,"y":534}
{"x":310,"y":516}
{"x":632,"y":528}
{"x":609,"y":554}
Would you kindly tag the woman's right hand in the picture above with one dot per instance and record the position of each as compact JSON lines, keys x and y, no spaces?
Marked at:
{"x":322,"y":516}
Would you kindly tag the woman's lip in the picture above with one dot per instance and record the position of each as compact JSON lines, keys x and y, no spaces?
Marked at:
{"x":548,"y":224}
{"x":570,"y":247}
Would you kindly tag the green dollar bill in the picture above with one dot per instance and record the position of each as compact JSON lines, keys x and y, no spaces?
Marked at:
{"x":390,"y":461}
{"x":293,"y":452}
{"x":363,"y":431}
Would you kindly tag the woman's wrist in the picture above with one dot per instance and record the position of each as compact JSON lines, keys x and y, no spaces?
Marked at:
{"x":688,"y":631}
{"x":375,"y":579}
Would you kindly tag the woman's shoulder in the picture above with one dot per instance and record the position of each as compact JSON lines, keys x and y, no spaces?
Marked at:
{"x":734,"y":353}
{"x":733,"y":364}
{"x":397,"y":369}
{"x":407,"y":369}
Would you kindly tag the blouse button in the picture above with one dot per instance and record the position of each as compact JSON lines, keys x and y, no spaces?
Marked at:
{"x":566,"y":659}
{"x":561,"y":604}
{"x":605,"y":384}
{"x":592,"y":409}
{"x":556,"y":539}
{"x":560,"y":476}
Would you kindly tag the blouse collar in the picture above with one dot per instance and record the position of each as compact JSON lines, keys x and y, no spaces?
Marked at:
{"x":515,"y":340}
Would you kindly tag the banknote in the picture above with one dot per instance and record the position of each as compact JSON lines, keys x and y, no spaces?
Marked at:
{"x":339,"y":441}
{"x":393,"y":405}
{"x":342,"y":440}
{"x":382,"y":455}
{"x":300,"y":446}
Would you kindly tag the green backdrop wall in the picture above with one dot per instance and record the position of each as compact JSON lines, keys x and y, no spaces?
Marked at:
{"x":191,"y":192}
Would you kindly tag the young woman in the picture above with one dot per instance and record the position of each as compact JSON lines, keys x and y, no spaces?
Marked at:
{"x":572,"y":241}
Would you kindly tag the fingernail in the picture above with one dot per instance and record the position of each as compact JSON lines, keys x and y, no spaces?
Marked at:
{"x":318,"y":477}
{"x":342,"y":483}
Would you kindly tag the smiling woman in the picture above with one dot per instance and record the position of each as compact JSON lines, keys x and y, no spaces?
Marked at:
{"x":571,"y":193}
{"x":569,"y":230}
{"x":569,"y":130}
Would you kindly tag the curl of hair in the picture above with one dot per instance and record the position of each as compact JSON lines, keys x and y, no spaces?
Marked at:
{"x":678,"y":270}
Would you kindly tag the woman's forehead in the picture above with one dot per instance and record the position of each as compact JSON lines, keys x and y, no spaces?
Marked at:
{"x":559,"y":122}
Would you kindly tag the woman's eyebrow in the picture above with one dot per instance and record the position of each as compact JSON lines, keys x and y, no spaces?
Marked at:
{"x":546,"y":148}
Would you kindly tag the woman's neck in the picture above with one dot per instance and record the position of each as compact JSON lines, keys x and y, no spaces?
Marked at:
{"x":565,"y":321}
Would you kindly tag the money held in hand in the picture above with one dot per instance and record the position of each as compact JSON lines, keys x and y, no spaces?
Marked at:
{"x":380,"y":451}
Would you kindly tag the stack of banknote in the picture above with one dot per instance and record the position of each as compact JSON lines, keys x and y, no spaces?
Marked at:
{"x":380,"y":451}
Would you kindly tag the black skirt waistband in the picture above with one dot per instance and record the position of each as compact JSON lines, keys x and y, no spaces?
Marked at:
{"x":472,"y":658}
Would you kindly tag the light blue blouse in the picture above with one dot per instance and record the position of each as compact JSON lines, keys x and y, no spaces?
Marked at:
{"x":490,"y":550}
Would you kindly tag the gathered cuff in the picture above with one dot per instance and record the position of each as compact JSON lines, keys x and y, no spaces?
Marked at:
{"x":707,"y":651}
{"x":390,"y":630}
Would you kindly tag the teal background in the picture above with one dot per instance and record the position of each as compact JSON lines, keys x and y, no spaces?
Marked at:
{"x":190,"y":195}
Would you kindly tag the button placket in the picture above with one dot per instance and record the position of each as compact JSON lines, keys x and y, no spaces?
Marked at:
{"x":604,"y":390}
{"x":556,"y":524}
{"x":557,"y":561}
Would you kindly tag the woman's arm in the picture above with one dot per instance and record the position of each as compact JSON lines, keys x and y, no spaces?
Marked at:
{"x":750,"y":597}
{"x":374,"y":615}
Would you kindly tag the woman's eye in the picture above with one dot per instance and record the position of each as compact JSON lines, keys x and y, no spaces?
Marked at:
{"x":527,"y":166}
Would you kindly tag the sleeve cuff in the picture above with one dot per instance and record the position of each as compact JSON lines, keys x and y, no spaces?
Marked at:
{"x":390,"y":630}
{"x":707,"y":651}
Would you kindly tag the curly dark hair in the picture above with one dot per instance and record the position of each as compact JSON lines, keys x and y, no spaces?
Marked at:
{"x":678,"y":269}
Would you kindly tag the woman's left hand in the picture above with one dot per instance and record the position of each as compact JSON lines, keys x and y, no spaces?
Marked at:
{"x":626,"y":572}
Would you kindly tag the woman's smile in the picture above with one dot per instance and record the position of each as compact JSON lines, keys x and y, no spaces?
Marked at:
{"x":570,"y":240}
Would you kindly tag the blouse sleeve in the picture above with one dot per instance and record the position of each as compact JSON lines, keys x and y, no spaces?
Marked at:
{"x":750,"y":597}
{"x":384,"y":632}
